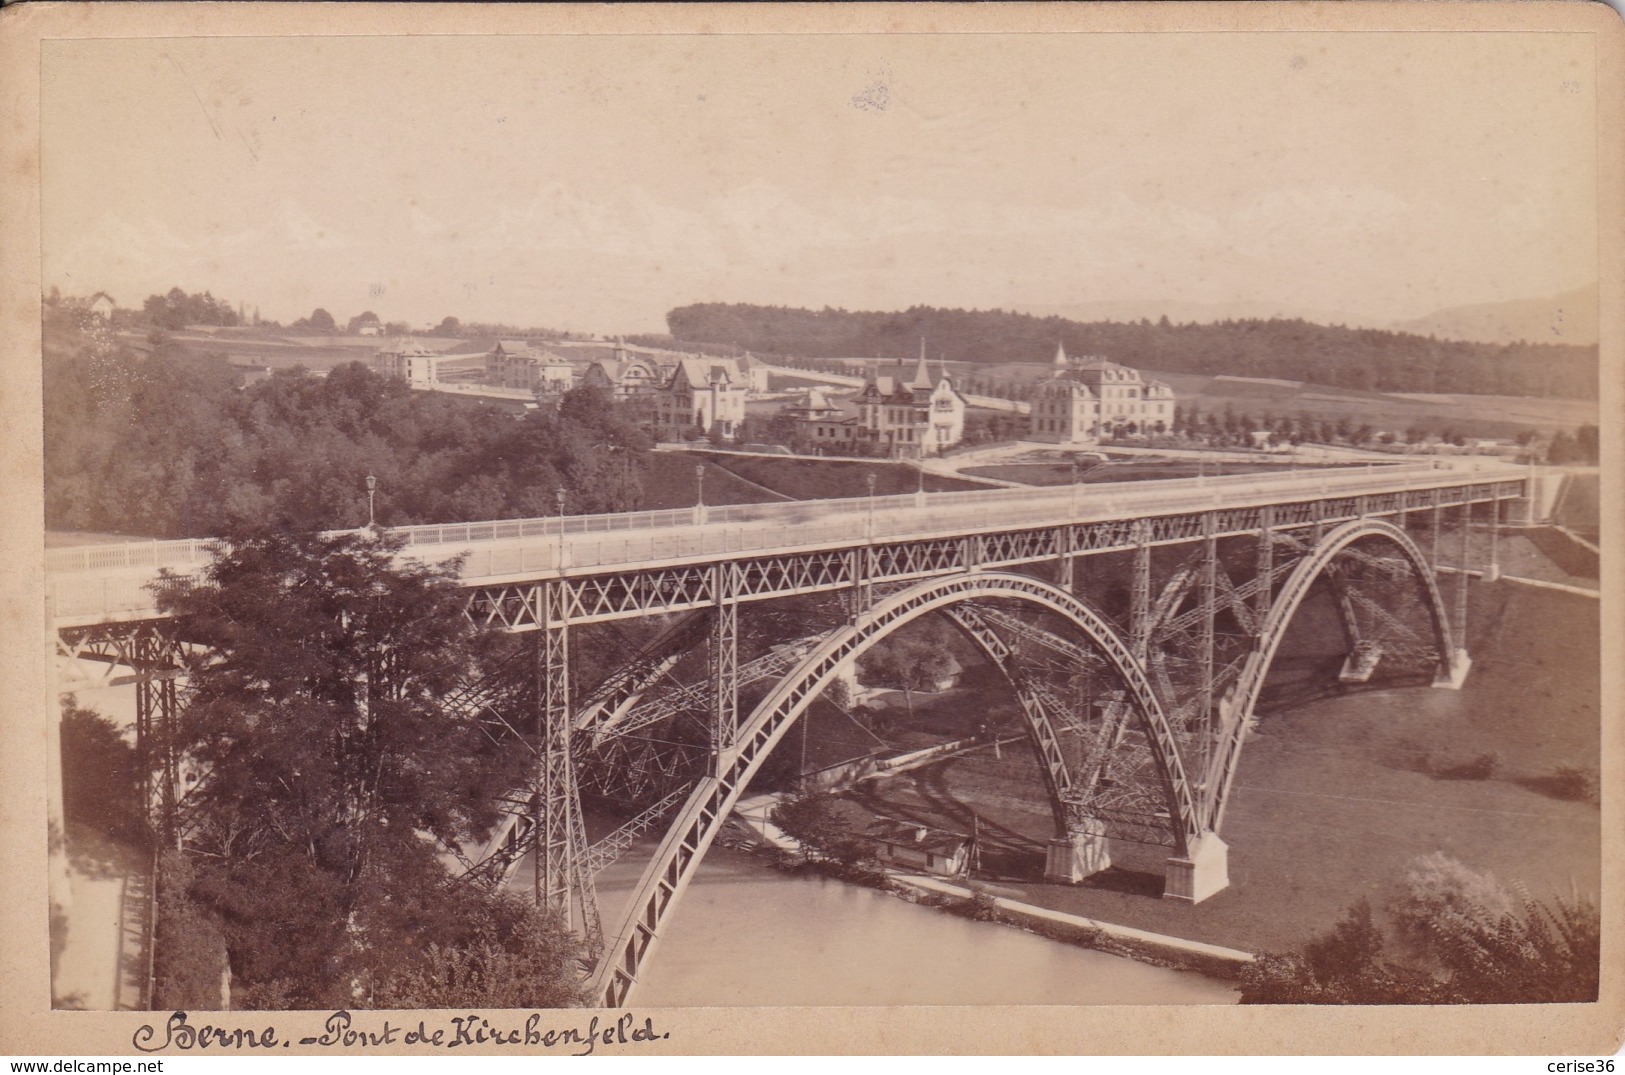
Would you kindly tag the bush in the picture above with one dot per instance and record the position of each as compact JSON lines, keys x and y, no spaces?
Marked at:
{"x":189,"y":950}
{"x":1481,"y":767}
{"x":985,"y":908}
{"x":1439,"y":889}
{"x":512,"y":960}
{"x":1573,"y":782}
{"x":1464,"y":938}
{"x":1409,"y":754}
{"x":1343,"y":966}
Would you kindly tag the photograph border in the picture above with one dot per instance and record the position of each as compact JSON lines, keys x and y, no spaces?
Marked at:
{"x":28,"y":1025}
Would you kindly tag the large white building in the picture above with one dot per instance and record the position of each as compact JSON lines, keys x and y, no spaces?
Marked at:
{"x":516,"y":364}
{"x":414,"y":365}
{"x":1086,"y":400}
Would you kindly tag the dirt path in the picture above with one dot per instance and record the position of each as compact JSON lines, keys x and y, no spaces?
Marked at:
{"x":101,"y":963}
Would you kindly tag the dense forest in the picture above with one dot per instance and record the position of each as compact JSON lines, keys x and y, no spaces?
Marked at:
{"x":1369,"y":359}
{"x":160,"y":441}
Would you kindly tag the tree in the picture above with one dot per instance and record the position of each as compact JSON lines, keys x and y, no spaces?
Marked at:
{"x":101,"y":783}
{"x":448,"y":326}
{"x":1586,"y":443}
{"x":911,"y":661}
{"x":335,"y":770}
{"x":360,"y":321}
{"x":1561,"y":449}
{"x":824,"y":824}
{"x":176,"y":309}
{"x":321,"y":321}
{"x":1461,"y":939}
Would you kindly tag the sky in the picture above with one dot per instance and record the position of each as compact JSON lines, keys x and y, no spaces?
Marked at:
{"x":592,"y":183}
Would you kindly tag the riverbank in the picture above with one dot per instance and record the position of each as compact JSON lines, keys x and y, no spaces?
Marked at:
{"x":1338,"y":793}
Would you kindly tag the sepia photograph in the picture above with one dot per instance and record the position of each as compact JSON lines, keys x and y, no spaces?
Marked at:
{"x":1056,"y":511}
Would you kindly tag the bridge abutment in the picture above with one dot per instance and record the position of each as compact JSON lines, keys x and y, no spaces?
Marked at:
{"x":1452,"y":677}
{"x":1200,"y":873}
{"x":1081,"y":853}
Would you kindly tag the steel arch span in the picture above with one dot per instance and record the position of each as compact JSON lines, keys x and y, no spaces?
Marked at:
{"x":713,"y":798}
{"x":1322,"y":558}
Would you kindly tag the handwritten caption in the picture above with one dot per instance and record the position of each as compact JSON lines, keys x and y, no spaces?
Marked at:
{"x":341,"y":1030}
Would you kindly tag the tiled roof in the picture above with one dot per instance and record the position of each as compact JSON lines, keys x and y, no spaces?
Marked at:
{"x":704,"y":370}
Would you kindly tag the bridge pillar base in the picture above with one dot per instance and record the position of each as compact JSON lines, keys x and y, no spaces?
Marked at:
{"x":1452,"y":680}
{"x":1081,"y":853}
{"x":1194,"y":877}
{"x":1492,"y":573}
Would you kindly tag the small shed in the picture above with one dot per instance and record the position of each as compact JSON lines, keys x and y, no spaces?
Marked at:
{"x":912,"y":846}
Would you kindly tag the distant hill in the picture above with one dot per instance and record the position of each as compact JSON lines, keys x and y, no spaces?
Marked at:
{"x":1359,"y":358}
{"x":1567,"y":318}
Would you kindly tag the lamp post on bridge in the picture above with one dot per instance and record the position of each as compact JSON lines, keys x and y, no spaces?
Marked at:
{"x":870,"y":479}
{"x":1074,"y":501}
{"x":699,"y":496}
{"x":558,"y":496}
{"x":372,"y":487}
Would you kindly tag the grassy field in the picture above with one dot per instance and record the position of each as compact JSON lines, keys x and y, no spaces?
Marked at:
{"x":1473,"y":416}
{"x":1580,"y":506}
{"x":278,"y":352}
{"x":1057,"y":473}
{"x":1335,"y":797}
{"x":822,"y":479}
{"x":671,"y":483}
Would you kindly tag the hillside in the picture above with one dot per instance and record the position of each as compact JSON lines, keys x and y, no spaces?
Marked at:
{"x":1570,"y":317}
{"x":1362,"y":359}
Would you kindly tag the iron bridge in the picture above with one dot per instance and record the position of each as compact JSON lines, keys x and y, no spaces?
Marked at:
{"x":1135,"y":624}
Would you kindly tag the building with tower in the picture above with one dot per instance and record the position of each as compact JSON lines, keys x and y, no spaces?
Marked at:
{"x":1086,"y":400}
{"x":889,"y":416}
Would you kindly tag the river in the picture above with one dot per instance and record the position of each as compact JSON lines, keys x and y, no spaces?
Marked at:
{"x":747,"y":934}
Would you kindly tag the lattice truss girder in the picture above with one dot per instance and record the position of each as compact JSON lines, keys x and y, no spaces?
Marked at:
{"x":1194,"y":667}
{"x":90,"y":657}
{"x":1382,"y":603}
{"x":155,"y":654}
{"x":675,"y":727}
{"x":562,"y":879}
{"x":609,"y":595}
{"x":643,"y":732}
{"x":1113,"y":783}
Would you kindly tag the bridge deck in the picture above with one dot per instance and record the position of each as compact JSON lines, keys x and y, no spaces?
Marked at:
{"x":107,"y":583}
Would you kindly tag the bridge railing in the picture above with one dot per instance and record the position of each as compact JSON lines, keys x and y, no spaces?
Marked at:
{"x":138,"y":554}
{"x":113,"y":580}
